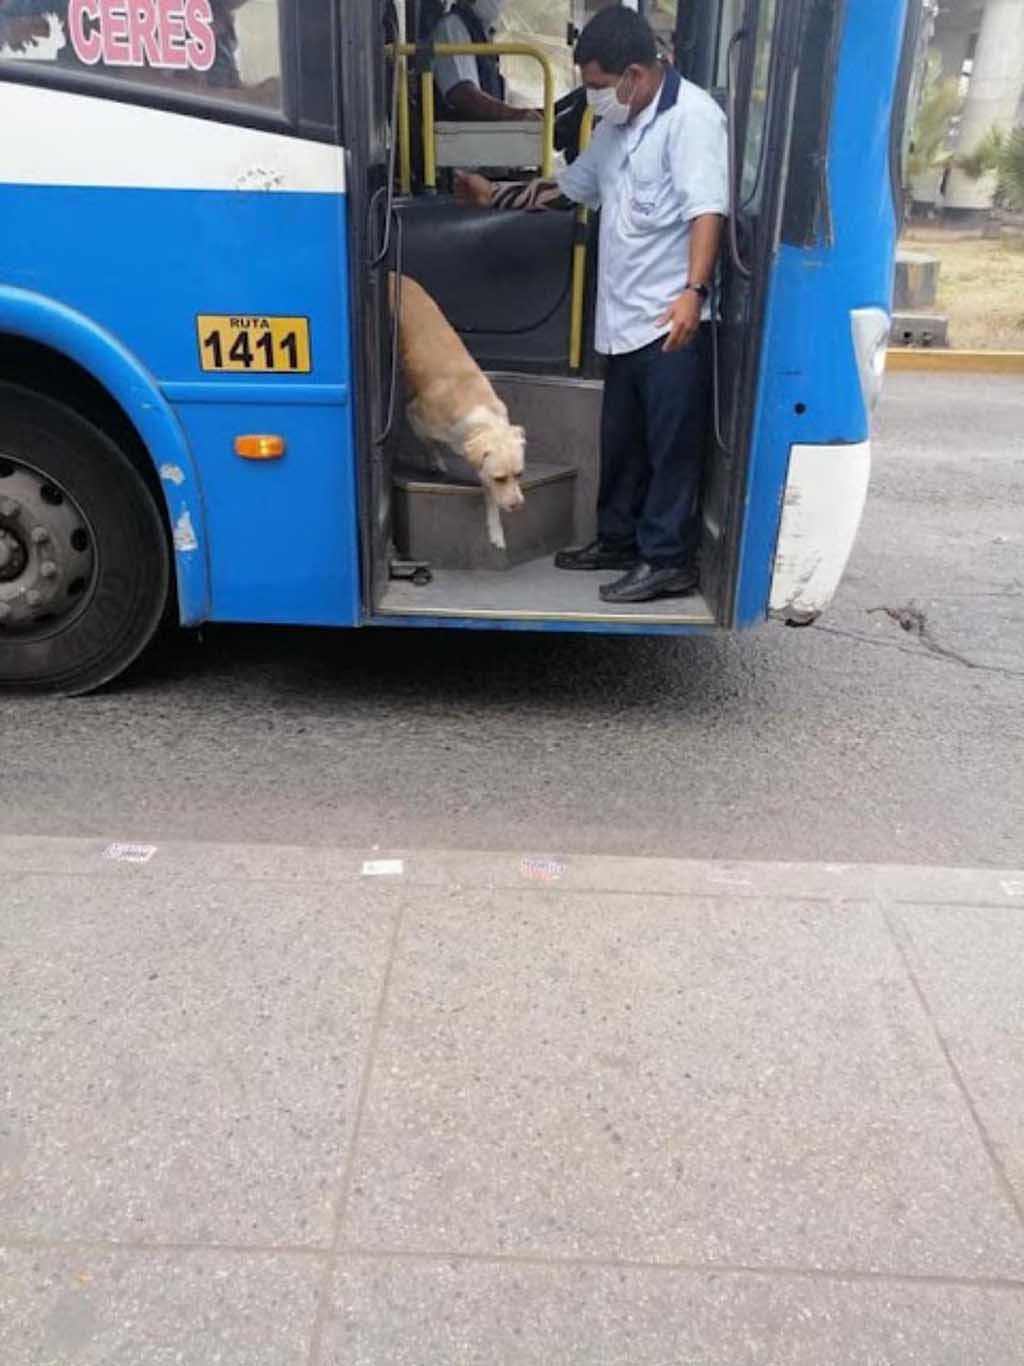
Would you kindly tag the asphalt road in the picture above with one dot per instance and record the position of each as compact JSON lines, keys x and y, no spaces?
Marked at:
{"x":854,"y":740}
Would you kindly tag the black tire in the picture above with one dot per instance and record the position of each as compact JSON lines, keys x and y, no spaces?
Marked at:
{"x":80,"y":642}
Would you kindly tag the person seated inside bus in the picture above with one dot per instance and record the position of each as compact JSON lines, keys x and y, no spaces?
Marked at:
{"x":471,"y":88}
{"x":657,"y":167}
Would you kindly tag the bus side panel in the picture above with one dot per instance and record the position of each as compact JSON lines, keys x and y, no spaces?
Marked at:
{"x":149,"y":221}
{"x":810,"y":390}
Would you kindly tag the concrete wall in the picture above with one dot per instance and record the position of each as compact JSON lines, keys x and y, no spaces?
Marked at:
{"x":995,"y":90}
{"x":993,"y":97}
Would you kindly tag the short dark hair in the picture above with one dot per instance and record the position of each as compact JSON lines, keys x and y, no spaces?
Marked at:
{"x":616,"y":38}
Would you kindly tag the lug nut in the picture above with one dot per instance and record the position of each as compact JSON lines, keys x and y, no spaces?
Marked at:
{"x":7,"y":508}
{"x":40,"y":534}
{"x":47,"y":569}
{"x":33,"y":597}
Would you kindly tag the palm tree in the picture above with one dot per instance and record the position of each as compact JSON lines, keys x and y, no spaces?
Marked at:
{"x":1002,"y":153}
{"x":940,"y":101}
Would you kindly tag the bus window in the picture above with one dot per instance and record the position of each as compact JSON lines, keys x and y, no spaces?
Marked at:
{"x":730,"y":22}
{"x":758,"y":108}
{"x":227,"y":49}
{"x":661,"y":15}
{"x":543,"y":24}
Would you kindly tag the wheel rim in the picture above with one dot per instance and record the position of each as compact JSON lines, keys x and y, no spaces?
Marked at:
{"x":47,"y":553}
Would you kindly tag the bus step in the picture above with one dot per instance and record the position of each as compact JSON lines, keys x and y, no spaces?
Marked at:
{"x":444,"y":524}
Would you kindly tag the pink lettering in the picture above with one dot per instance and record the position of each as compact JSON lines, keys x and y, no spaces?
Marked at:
{"x":172,"y":33}
{"x":145,"y":41}
{"x":83,"y":21}
{"x":202,"y":44}
{"x":114,"y":21}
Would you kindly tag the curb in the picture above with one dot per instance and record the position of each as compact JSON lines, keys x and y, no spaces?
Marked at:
{"x":593,"y":875}
{"x":956,"y":362}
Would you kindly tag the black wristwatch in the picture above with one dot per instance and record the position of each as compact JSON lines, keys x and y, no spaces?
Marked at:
{"x":702,"y":290}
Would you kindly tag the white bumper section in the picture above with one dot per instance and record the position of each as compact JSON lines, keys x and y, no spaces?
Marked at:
{"x":826,"y":489}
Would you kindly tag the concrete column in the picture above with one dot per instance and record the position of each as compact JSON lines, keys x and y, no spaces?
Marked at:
{"x":993,"y":97}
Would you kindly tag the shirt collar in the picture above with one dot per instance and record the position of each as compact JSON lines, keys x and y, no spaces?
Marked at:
{"x":667,"y":97}
{"x":670,"y":88}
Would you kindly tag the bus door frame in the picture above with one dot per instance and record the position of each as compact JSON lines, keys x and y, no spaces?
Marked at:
{"x":364,"y":123}
{"x":749,"y":253}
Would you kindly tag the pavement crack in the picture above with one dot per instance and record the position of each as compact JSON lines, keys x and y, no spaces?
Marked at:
{"x":901,"y":939}
{"x":914,"y":621}
{"x":323,"y":1310}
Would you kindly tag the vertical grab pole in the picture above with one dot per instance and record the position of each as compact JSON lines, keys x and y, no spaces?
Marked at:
{"x":547,"y":165}
{"x":404,"y":130}
{"x":579,"y":265}
{"x":427,"y":118}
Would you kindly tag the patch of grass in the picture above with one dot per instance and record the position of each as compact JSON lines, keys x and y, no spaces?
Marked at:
{"x":981,"y":287}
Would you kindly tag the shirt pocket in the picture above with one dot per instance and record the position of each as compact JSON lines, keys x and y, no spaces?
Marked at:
{"x":648,"y":205}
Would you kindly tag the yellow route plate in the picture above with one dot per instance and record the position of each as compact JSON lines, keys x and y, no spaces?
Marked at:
{"x":254,"y":343}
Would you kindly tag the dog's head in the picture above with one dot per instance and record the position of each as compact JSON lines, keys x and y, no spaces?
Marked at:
{"x":497,"y":453}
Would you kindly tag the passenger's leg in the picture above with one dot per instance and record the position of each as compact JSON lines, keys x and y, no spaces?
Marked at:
{"x":675,"y":388}
{"x":623,"y":472}
{"x":620,"y":495}
{"x":677,"y":394}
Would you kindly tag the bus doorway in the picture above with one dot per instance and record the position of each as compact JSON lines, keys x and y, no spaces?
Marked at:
{"x":508,"y":283}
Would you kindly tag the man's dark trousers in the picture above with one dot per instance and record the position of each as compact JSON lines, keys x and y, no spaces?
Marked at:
{"x":654,"y":428}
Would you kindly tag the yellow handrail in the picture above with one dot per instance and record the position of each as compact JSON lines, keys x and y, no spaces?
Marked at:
{"x":579,"y":262}
{"x":429,"y":141}
{"x":404,"y":132}
{"x":407,"y":50}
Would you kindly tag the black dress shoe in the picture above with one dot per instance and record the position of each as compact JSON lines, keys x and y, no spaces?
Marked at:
{"x":596,"y":555}
{"x":645,"y":582}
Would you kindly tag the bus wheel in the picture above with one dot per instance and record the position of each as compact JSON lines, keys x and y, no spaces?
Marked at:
{"x":84,"y":560}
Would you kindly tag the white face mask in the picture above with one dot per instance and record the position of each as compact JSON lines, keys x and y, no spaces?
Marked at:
{"x":605,"y":104}
{"x":489,"y":12}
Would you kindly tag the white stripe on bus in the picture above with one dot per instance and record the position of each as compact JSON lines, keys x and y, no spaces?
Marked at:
{"x":71,"y":139}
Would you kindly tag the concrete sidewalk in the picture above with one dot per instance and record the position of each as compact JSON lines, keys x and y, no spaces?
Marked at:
{"x":271,"y":1107}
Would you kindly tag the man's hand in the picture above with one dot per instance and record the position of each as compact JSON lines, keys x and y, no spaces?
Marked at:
{"x":684,"y":319}
{"x":473,"y":190}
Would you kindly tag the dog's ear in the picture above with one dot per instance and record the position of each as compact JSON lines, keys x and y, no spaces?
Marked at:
{"x":477,"y":446}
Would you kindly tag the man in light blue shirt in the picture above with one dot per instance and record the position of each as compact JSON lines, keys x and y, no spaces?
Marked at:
{"x":657,"y":169}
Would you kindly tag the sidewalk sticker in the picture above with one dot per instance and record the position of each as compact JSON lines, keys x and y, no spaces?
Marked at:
{"x":129,"y":853}
{"x":541,"y":869}
{"x":1014,"y":888}
{"x":383,"y":867}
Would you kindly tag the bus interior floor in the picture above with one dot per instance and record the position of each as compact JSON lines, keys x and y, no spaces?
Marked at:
{"x":532,"y":591}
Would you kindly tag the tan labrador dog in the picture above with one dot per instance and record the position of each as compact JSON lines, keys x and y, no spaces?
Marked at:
{"x":452,"y":402}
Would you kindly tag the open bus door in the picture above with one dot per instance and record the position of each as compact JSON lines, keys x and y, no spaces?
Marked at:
{"x":771,"y":65}
{"x":728,"y":47}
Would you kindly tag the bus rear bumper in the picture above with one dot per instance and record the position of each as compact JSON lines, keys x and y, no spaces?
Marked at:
{"x":826,"y":488}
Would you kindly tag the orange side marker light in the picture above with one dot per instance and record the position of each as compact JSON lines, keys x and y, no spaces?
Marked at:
{"x":260,"y":447}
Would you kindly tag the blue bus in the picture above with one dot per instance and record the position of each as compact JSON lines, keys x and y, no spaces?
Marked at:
{"x":200,"y":417}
